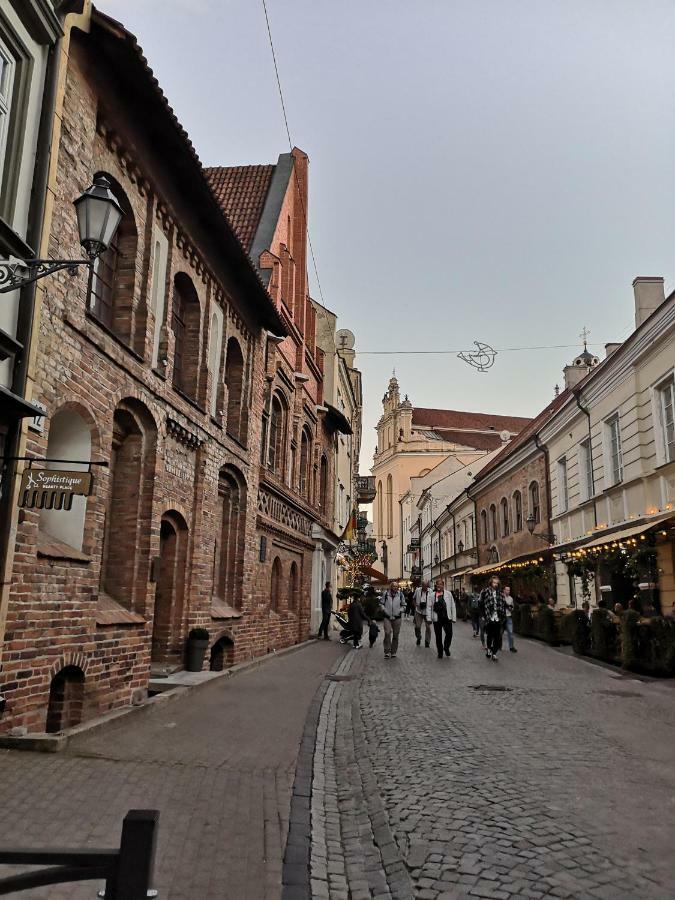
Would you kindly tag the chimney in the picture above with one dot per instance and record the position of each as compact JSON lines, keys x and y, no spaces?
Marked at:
{"x":649,"y":295}
{"x":610,"y":348}
{"x":573,"y":375}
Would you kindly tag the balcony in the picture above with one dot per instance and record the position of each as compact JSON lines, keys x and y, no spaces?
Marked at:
{"x":365,"y":489}
{"x":367,"y":547}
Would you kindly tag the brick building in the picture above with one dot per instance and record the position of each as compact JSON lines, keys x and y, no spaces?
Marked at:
{"x":194,"y":378}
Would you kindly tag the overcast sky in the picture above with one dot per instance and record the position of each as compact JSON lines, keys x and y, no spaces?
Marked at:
{"x":480,"y":169}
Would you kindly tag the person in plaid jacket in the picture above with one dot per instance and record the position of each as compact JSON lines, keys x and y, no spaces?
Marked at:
{"x":492,"y":600}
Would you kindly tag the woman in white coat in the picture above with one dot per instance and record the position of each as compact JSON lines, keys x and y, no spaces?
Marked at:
{"x":442,"y":612}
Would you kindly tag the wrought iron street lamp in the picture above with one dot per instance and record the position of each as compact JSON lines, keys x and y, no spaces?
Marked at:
{"x":530,"y":521}
{"x":98,"y":217}
{"x":460,"y":547}
{"x":436,"y":560}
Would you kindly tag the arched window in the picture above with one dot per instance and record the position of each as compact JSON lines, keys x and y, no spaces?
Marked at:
{"x":237,"y":407}
{"x":504,"y":507}
{"x":484,"y":526}
{"x":186,"y":327}
{"x":277,"y":437}
{"x":323,"y":485}
{"x":230,"y":541}
{"x":128,"y":525}
{"x":113,"y":280}
{"x":390,"y":507}
{"x":69,"y":438}
{"x":493,"y":522}
{"x":275,"y":585}
{"x":535,"y":509}
{"x":305,"y":461}
{"x":293,"y":587}
{"x":518,"y":511}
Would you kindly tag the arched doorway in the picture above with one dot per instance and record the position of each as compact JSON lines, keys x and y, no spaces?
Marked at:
{"x":170,"y":591}
{"x":66,"y":699}
{"x":222,"y":654}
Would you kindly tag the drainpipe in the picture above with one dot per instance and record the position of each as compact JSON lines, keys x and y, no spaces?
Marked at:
{"x":587,"y":413}
{"x":549,"y":506}
{"x":454,"y":540}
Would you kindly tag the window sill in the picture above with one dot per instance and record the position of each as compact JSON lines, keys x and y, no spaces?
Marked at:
{"x":159,"y":373}
{"x":51,"y":548}
{"x":222,"y":610}
{"x":236,"y":440}
{"x":666,"y":465}
{"x":189,"y":399}
{"x":110,"y":612}
{"x":118,"y":340}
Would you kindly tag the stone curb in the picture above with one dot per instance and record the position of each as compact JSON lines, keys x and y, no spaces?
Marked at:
{"x":54,"y":743}
{"x":296,"y":865}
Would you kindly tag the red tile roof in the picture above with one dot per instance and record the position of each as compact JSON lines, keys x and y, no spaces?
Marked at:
{"x":527,"y":433}
{"x":241,"y":192}
{"x":452,"y":418}
{"x":476,"y":439}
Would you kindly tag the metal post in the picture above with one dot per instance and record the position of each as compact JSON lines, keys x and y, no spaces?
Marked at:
{"x":137,"y":856}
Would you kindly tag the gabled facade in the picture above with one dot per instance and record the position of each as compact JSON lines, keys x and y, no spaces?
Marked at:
{"x":296,"y":504}
{"x":411,"y":441}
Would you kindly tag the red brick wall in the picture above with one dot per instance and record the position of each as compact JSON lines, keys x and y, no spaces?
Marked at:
{"x":177,"y":458}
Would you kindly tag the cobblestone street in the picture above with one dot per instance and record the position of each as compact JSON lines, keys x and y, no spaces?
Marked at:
{"x":430,"y":785}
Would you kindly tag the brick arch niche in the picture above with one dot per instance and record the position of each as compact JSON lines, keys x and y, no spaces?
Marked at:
{"x":237,"y":407}
{"x":126,"y":551}
{"x":230,"y":541}
{"x":170,"y":591}
{"x":222,"y":653}
{"x":66,"y":699}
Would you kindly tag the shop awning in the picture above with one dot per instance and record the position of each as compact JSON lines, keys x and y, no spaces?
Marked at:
{"x":614,"y":535}
{"x":374,"y":574}
{"x":532,"y":557}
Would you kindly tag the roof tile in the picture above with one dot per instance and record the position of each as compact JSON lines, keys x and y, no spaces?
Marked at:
{"x":241,"y":192}
{"x":452,"y":418}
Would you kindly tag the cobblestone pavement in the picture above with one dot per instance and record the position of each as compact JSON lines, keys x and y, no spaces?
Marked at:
{"x":429,"y":785}
{"x":218,"y":764}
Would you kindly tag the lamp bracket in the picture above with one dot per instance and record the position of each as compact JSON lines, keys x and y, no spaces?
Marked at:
{"x":16,"y":275}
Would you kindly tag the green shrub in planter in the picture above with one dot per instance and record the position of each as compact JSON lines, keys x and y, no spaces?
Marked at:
{"x":517,"y":613}
{"x":546,"y":627}
{"x":604,"y":636}
{"x":580,"y":632}
{"x":566,"y":625}
{"x":526,"y":620}
{"x":660,"y":655}
{"x":631,"y":640}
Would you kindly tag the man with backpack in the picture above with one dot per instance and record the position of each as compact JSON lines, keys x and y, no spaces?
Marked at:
{"x":423,"y":597}
{"x":392,"y":604}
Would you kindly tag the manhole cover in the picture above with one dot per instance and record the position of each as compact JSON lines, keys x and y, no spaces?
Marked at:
{"x":610,"y":693}
{"x":340,"y":677}
{"x":489,"y":687}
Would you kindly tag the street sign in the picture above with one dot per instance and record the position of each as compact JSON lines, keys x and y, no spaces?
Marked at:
{"x":52,"y":488}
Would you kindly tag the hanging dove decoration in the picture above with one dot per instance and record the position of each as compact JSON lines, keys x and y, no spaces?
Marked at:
{"x":482,"y":358}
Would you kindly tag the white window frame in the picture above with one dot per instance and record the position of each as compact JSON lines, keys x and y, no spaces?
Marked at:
{"x":664,"y":453}
{"x":613,"y":473}
{"x":563,"y":485}
{"x":585,"y":467}
{"x":6,"y":91}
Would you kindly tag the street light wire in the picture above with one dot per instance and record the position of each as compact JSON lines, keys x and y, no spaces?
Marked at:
{"x":297,"y":184}
{"x":440,"y":352}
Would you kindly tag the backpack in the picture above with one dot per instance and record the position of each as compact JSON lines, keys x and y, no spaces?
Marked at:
{"x":440,"y":608}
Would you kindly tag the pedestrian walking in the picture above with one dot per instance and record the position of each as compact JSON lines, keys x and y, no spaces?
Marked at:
{"x":326,"y":607}
{"x":357,"y":618}
{"x":474,"y":610}
{"x":392,"y":604}
{"x":492,"y":598}
{"x":373,"y":632}
{"x":441,"y":614}
{"x":508,"y":622}
{"x":422,"y":598}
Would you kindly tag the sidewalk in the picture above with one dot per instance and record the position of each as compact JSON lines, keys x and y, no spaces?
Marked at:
{"x":218,"y":764}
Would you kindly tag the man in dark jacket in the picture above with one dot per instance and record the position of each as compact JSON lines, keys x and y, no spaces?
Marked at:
{"x":492,"y":600}
{"x":357,"y":618}
{"x":326,"y":607}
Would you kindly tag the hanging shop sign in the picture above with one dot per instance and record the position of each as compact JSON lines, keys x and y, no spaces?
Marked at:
{"x":53,"y":488}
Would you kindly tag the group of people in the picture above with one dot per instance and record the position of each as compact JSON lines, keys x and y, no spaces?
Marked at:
{"x":491,"y":617}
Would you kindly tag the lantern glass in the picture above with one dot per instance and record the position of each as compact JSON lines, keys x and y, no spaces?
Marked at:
{"x":530,"y":522}
{"x":98,"y":216}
